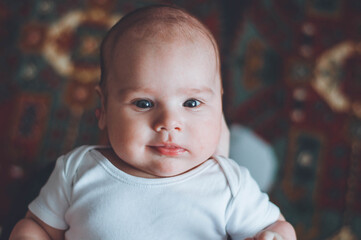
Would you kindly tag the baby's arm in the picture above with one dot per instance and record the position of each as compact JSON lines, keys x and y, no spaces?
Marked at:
{"x":280,"y":230}
{"x":31,"y":227}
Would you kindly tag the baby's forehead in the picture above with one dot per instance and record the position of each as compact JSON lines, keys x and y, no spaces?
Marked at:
{"x":159,"y":25}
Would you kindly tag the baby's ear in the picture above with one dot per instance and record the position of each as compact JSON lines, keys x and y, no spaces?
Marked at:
{"x":100,"y":112}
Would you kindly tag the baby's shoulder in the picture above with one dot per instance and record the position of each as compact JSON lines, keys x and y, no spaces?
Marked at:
{"x":71,"y":161}
{"x":237,"y":176}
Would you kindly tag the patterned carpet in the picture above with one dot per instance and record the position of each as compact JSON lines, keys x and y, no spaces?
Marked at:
{"x":294,"y":77}
{"x":291,"y":72}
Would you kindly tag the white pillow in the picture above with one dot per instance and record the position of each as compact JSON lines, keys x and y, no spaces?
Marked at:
{"x":250,"y":151}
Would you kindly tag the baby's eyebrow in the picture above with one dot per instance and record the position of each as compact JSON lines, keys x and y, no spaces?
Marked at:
{"x":125,"y":91}
{"x":202,"y":90}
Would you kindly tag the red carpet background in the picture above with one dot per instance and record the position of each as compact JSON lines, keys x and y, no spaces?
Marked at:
{"x":291,"y":72}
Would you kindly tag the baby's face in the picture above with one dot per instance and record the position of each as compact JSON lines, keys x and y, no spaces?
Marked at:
{"x":163,"y":110}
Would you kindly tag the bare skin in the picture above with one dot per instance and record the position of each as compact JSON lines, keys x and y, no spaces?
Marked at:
{"x":31,"y":227}
{"x":223,"y":146}
{"x":280,"y":230}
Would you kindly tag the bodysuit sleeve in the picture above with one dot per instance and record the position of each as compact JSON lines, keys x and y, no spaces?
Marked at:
{"x":54,"y":197}
{"x":249,"y":210}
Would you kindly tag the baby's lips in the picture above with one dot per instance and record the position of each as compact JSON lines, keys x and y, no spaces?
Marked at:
{"x":170,"y":151}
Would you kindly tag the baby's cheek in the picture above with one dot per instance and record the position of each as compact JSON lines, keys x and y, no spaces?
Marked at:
{"x":210,"y":139}
{"x":213,"y":131}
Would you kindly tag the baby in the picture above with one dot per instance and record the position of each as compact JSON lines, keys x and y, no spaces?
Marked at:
{"x":160,"y":177}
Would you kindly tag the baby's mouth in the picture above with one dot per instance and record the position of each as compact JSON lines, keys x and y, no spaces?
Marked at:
{"x":168,"y":149}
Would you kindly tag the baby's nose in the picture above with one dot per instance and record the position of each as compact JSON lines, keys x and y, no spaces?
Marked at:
{"x":168,"y":121}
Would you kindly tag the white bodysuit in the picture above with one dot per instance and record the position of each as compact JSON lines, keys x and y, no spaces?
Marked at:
{"x":91,"y":198}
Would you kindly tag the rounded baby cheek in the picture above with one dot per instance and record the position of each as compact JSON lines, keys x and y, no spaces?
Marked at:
{"x":211,"y":134}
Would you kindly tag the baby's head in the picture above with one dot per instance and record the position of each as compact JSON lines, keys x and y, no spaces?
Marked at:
{"x":158,"y":24}
{"x":160,"y":92}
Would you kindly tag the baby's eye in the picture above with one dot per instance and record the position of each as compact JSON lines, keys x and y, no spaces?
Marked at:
{"x":143,"y":103}
{"x":191,"y":103}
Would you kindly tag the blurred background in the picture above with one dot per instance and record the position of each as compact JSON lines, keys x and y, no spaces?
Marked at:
{"x":292,"y":79}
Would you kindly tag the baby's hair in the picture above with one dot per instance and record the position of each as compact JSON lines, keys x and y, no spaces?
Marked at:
{"x":156,"y":22}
